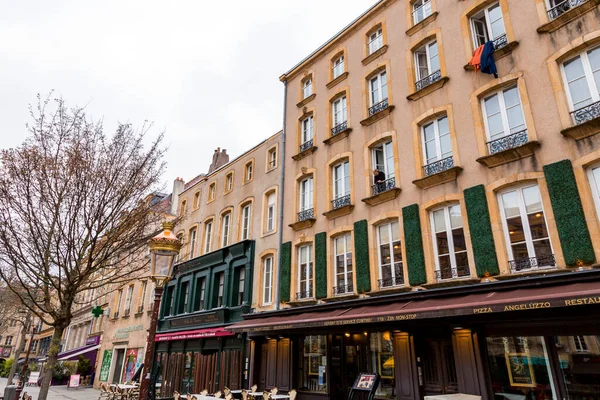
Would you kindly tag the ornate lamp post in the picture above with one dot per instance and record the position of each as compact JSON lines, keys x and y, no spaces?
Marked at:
{"x":164,"y":247}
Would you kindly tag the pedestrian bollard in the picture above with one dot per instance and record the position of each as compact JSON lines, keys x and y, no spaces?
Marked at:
{"x":10,"y":392}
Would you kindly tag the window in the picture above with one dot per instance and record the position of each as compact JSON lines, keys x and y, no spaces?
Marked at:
{"x":128,"y":298}
{"x":249,"y":170}
{"x":525,"y":228}
{"x":272,"y":158}
{"x":220,"y":288}
{"x":8,"y":340}
{"x":594,"y":177}
{"x":142,"y":298}
{"x":582,"y":77}
{"x":342,"y":250}
{"x":580,"y":344}
{"x":225,"y":226}
{"x":427,"y":61}
{"x":391,"y":270}
{"x":381,"y":359}
{"x":212,"y":189}
{"x":421,"y":10}
{"x":488,"y":25}
{"x":241,"y":283}
{"x":305,"y":272}
{"x":313,"y":356}
{"x":449,"y":244}
{"x":183,"y":299}
{"x":199,"y":303}
{"x":338,"y":66}
{"x":339,"y":111}
{"x":270,"y":212}
{"x":207,"y":236}
{"x":341,"y":182}
{"x":229,"y":182}
{"x":118,"y":306}
{"x":378,"y":88}
{"x":307,"y":131}
{"x":558,"y":7}
{"x":375,"y":41}
{"x":246,"y":215}
{"x":196,"y":200}
{"x":306,"y":194}
{"x":267,"y":280}
{"x":307,"y":87}
{"x":193,"y":242}
{"x":383,"y":159}
{"x":504,"y":117}
{"x":183,"y":208}
{"x":437,"y":144}
{"x":34,"y":346}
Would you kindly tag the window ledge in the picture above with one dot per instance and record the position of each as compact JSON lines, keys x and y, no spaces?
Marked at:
{"x":540,"y":271}
{"x":498,"y":54}
{"x":389,"y":290}
{"x":568,"y":16}
{"x":377,"y":116}
{"x":446,"y":176}
{"x":337,"y":137}
{"x":582,"y":131}
{"x":428,"y":89}
{"x":304,"y":153}
{"x":337,"y":80}
{"x":305,"y":302}
{"x":339,"y":212}
{"x":349,"y":296}
{"x":509,"y":155}
{"x":467,"y":280}
{"x":375,"y":54}
{"x":307,"y":223}
{"x":306,"y":100}
{"x":382,"y":197}
{"x":138,"y":314}
{"x":417,"y":27}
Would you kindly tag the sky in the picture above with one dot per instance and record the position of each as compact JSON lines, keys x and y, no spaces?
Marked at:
{"x":205,"y":72}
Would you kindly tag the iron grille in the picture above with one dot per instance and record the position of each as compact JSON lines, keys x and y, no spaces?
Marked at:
{"x":500,"y":41}
{"x":398,"y":280}
{"x":563,"y":7}
{"x":339,"y":128}
{"x":340,"y":202}
{"x":452,"y":273}
{"x":384,"y":186}
{"x":306,"y":214}
{"x":306,"y":145}
{"x":307,"y":294}
{"x":438,"y":166}
{"x":586,"y":113}
{"x":343,"y":289}
{"x":508,"y":142}
{"x":378,"y":107}
{"x":521,"y":264}
{"x":428,"y":80}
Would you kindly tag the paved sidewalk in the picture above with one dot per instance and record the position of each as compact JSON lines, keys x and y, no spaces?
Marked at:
{"x":57,"y":392}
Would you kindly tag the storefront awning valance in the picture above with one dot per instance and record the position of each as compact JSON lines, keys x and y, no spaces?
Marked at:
{"x":575,"y":294}
{"x":75,"y":353}
{"x":195,"y":334}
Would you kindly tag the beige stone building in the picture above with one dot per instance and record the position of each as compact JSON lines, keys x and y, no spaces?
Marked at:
{"x":486,"y":201}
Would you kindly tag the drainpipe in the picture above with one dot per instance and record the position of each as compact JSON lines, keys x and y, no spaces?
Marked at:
{"x":281,"y":194}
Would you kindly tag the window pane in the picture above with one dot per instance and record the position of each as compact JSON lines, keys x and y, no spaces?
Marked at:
{"x":579,"y":365}
{"x":314,"y":362}
{"x":533,"y":201}
{"x":395,"y":231}
{"x":384,"y":235}
{"x":515,"y":229}
{"x":537,"y":226}
{"x":434,"y":59}
{"x":510,"y":201}
{"x":496,"y":22}
{"x":442,"y":243}
{"x":455,"y":216}
{"x":439,"y":220}
{"x":542,"y":250}
{"x":520,"y":251}
{"x":381,"y":359}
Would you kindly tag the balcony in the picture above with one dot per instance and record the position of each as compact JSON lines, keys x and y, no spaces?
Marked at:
{"x":306,"y":219}
{"x":452,"y":273}
{"x":389,"y":282}
{"x":428,"y":80}
{"x":586,"y":122}
{"x":305,"y":149}
{"x":500,"y":42}
{"x":338,"y":132}
{"x":438,"y":172}
{"x":341,"y":205}
{"x":306,"y":145}
{"x":305,"y":295}
{"x":306,"y":214}
{"x":509,"y":148}
{"x":428,"y":84}
{"x":563,"y":7}
{"x":565,"y":12}
{"x":340,"y":202}
{"x":342,"y":290}
{"x":383,"y":192}
{"x":377,"y":111}
{"x":527,"y":264}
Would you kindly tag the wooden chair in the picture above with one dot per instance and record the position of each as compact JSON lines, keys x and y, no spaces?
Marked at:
{"x":274,"y":391}
{"x":217,"y":394}
{"x":104,"y":393}
{"x":244,"y":394}
{"x":266,"y":395}
{"x":226,"y":391}
{"x":176,"y":395}
{"x":229,"y":396}
{"x":204,"y":393}
{"x":115,"y":392}
{"x":254,"y":388}
{"x":292,"y":393}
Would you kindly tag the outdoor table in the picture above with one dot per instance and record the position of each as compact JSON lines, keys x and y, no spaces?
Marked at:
{"x":280,"y":396}
{"x":255,"y":394}
{"x":124,"y":386}
{"x":200,"y":397}
{"x":236,"y":391}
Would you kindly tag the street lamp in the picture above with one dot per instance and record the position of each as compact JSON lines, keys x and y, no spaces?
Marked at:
{"x":164,"y":247}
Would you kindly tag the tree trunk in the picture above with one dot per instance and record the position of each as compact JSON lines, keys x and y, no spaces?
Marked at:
{"x":13,"y":367}
{"x":51,"y":360}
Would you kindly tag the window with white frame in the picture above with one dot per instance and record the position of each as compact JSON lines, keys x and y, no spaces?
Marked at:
{"x":225,"y":227}
{"x":193,"y":234}
{"x":305,"y":272}
{"x":582,"y":78}
{"x":525,"y":228}
{"x":389,"y":252}
{"x":338,"y":66}
{"x":594,"y":178}
{"x":220,"y":288}
{"x":437,"y":144}
{"x":378,"y":88}
{"x":241,"y":286}
{"x":229,"y":182}
{"x":208,"y":236}
{"x":272,"y":158}
{"x":200,"y":293}
{"x":307,"y":130}
{"x":306,"y":194}
{"x":246,"y":215}
{"x":558,"y":7}
{"x":267,"y":280}
{"x":8,"y":340}
{"x":449,"y":244}
{"x":307,"y":87}
{"x":212,"y":191}
{"x":580,"y":344}
{"x":196,"y":200}
{"x":128,"y":298}
{"x":421,"y":10}
{"x":270,"y":223}
{"x":119,"y":300}
{"x":339,"y":111}
{"x":375,"y":40}
{"x":184,"y":297}
{"x":504,"y":117}
{"x":249,"y":170}
{"x":487,"y":25}
{"x":342,"y":252}
{"x":383,"y":159}
{"x":341,"y":180}
{"x":177,"y":256}
{"x":142,"y":299}
{"x":427,"y":60}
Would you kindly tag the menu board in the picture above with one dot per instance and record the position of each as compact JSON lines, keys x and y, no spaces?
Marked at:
{"x":74,"y":381}
{"x":105,"y":368}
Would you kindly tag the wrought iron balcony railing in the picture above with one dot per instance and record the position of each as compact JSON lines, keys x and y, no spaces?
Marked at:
{"x":343,"y":289}
{"x":428,"y":80}
{"x":384,"y":186}
{"x":303,"y":215}
{"x":522,"y":264}
{"x":378,"y":107}
{"x":340,"y":202}
{"x":563,"y":7}
{"x":398,"y":280}
{"x":306,"y":145}
{"x":500,"y":41}
{"x":586,"y":113}
{"x":307,"y":294}
{"x":438,"y":166}
{"x":452,"y":273}
{"x":508,"y":142}
{"x":339,"y":128}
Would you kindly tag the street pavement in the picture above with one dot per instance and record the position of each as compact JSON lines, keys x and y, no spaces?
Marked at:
{"x":57,"y":392}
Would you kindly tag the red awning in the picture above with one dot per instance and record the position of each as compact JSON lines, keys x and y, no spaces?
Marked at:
{"x":575,"y":294}
{"x":195,"y":334}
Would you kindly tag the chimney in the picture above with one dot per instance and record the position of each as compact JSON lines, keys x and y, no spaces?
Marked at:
{"x":178,"y":185}
{"x":220,"y":158}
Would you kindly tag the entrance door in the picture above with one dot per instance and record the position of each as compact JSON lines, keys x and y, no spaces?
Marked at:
{"x":348,"y":359}
{"x":120,"y":357}
{"x":439,"y":370}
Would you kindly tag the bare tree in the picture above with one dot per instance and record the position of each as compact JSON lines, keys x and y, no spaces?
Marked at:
{"x":13,"y":316}
{"x":74,"y":213}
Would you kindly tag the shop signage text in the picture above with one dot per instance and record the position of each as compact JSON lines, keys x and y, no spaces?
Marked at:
{"x":123,"y":333}
{"x":206,"y":318}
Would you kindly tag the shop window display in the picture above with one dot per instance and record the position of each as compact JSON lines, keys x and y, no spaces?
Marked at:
{"x":579,"y":359}
{"x":314,"y":364}
{"x":381,"y":356}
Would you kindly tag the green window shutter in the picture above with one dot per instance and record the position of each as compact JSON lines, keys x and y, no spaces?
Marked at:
{"x":285,"y":272}
{"x":572,"y":228}
{"x":321,"y":265}
{"x":361,"y":250}
{"x":413,"y":239}
{"x":480,"y":227}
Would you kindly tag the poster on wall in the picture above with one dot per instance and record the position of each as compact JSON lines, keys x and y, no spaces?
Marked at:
{"x":365,"y":382}
{"x":130,"y":363}
{"x":140,"y":358}
{"x":520,"y":370}
{"x":74,"y":381}
{"x":105,"y":368}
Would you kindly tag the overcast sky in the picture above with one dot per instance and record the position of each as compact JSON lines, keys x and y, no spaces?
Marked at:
{"x":207,"y":72}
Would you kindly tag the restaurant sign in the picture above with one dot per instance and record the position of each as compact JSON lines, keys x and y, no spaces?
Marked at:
{"x":196,"y":334}
{"x":211,"y":317}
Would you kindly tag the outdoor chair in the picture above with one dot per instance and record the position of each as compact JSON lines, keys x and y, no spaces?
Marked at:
{"x":292,"y":393}
{"x":104,"y":392}
{"x":229,"y":396}
{"x":254,"y":388}
{"x":266,"y":395}
{"x":176,"y":395}
{"x":244,"y":394}
{"x":226,"y":391}
{"x":204,"y":393}
{"x":217,"y":394}
{"x":274,"y":391}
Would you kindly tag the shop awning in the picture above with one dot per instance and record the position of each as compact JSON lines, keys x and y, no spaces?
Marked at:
{"x":571,"y":295}
{"x":75,"y":353}
{"x":195,"y":334}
